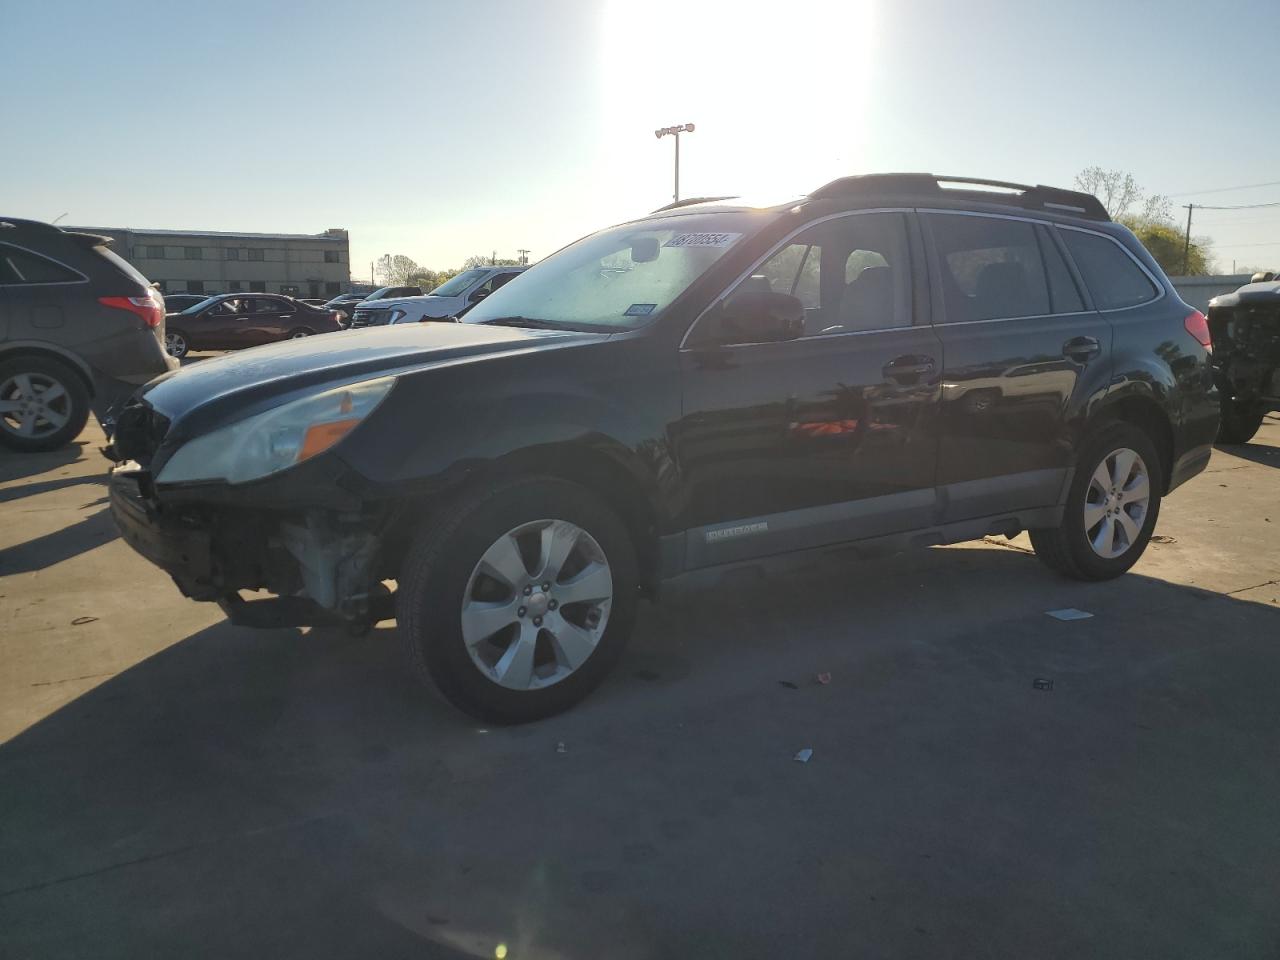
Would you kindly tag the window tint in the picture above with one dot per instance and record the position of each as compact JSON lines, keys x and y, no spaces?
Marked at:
{"x":502,"y":279}
{"x":1063,"y":295}
{"x":852,"y":273}
{"x":991,"y":268}
{"x":18,"y":266}
{"x":1112,"y":277}
{"x":265,"y":305}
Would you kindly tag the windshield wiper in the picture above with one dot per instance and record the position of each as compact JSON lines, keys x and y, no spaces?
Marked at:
{"x":533,"y":323}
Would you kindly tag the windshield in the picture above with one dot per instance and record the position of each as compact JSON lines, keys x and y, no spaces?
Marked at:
{"x":623,"y":277}
{"x":451,"y":288}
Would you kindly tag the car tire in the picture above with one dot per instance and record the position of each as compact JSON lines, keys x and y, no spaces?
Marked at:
{"x":1106,"y":524}
{"x":297,"y":333}
{"x":176,"y":344}
{"x":471,"y":632}
{"x":1239,"y":421}
{"x":25,"y":405}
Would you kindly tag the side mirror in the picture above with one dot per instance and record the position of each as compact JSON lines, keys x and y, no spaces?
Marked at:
{"x":751,"y":316}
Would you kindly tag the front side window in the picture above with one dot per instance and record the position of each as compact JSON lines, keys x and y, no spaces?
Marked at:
{"x":620,"y":278}
{"x":1112,"y":276}
{"x":455,"y":287}
{"x":21,"y":267}
{"x":990,"y":268}
{"x":851,"y":274}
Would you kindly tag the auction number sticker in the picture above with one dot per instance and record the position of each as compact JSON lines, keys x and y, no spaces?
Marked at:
{"x":702,"y":240}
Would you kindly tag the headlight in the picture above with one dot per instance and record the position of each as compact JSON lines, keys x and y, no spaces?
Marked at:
{"x":276,"y":439}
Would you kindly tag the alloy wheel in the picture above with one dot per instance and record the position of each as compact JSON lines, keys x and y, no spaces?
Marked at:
{"x":174,"y":344}
{"x":537,"y":604}
{"x":1116,"y":503}
{"x":34,"y":405}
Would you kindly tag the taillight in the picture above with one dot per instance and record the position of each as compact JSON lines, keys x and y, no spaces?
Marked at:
{"x":150,"y":308}
{"x":1198,"y":326}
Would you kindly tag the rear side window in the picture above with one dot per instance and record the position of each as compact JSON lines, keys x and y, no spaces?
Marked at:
{"x":1112,"y":276}
{"x":1063,"y":295}
{"x":23,"y":267}
{"x":121,"y":264}
{"x":991,"y":268}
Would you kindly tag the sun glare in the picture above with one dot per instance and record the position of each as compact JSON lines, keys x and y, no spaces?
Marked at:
{"x":778,"y":93}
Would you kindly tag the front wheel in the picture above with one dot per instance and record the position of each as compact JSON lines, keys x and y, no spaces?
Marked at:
{"x":1111,"y":508}
{"x":519,"y":601}
{"x":175,"y":344}
{"x":43,"y":403}
{"x":1239,"y":421}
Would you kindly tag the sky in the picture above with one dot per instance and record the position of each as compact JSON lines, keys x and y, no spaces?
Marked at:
{"x":440,"y":130}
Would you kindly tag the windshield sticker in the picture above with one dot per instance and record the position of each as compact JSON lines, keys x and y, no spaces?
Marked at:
{"x":702,"y":240}
{"x":640,"y":309}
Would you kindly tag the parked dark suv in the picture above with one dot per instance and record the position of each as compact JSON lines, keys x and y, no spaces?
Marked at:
{"x":80,"y":330}
{"x":893,"y":357}
{"x":1246,"y":332}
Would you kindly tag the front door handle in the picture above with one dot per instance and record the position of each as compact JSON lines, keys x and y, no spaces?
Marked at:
{"x":1081,"y":349}
{"x":909,"y":367}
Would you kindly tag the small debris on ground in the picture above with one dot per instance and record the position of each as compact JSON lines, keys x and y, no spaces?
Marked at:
{"x":1163,"y":539}
{"x":1040,"y":683}
{"x":804,"y":755}
{"x":788,"y":684}
{"x":561,"y":748}
{"x":81,"y":621}
{"x":1069,"y":613}
{"x":824,"y":678}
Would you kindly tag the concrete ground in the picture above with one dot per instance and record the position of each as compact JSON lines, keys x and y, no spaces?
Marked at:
{"x":174,"y":786}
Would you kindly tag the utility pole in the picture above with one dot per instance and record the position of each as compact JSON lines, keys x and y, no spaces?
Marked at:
{"x":1186,"y":241}
{"x":675,"y":132}
{"x":371,"y":283}
{"x":524,"y":257}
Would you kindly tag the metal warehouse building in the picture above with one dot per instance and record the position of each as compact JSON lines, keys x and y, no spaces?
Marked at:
{"x":209,"y":261}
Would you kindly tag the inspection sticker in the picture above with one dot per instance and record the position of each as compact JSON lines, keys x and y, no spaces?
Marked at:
{"x":640,"y":309}
{"x":702,"y":240}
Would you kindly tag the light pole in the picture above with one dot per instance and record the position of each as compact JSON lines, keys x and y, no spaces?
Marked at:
{"x":675,"y":132}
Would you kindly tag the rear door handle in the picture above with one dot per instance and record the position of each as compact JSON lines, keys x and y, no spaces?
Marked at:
{"x":908,"y":367}
{"x":1081,"y":349}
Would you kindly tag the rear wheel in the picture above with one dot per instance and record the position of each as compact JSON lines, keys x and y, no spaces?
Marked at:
{"x":1239,"y":421}
{"x":520,"y":601}
{"x":300,"y":332}
{"x":43,"y":403}
{"x":1111,"y":508}
{"x":175,"y":343}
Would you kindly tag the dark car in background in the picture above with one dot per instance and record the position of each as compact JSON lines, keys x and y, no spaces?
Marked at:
{"x":1246,"y":357}
{"x":80,"y":330}
{"x":346,"y":303}
{"x":901,"y":358}
{"x":230,"y":321}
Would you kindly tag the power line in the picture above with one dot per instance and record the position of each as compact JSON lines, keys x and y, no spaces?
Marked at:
{"x":1233,"y":246}
{"x":1245,"y":186}
{"x":1240,"y":206}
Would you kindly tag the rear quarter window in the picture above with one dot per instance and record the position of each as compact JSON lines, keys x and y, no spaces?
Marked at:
{"x":1113,"y":277}
{"x":23,"y":267}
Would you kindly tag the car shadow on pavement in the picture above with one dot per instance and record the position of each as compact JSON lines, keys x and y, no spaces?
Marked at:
{"x":62,"y":544}
{"x":292,"y":793}
{"x":9,"y":494}
{"x":15,"y":466}
{"x":1265,"y":454}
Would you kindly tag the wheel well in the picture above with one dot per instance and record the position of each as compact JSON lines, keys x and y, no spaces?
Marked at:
{"x":7,"y":355}
{"x":610,"y":481}
{"x":1150,"y":417}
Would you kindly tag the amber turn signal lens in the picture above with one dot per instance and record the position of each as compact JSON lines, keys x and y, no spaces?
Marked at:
{"x":322,"y":436}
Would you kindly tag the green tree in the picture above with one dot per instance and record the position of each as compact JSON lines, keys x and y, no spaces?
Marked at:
{"x":1164,"y":240}
{"x":479,"y":260}
{"x":1150,"y":217}
{"x":394,"y":269}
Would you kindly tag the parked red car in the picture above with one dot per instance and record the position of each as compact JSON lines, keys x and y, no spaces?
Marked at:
{"x":230,"y":321}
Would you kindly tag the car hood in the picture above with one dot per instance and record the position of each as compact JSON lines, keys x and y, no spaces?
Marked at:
{"x":212,"y":392}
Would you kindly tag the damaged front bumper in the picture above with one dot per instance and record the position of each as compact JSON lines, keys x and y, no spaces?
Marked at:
{"x":324,"y":565}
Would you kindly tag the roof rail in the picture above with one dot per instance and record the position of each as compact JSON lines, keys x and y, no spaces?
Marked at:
{"x":1038,"y":197}
{"x":690,"y":202}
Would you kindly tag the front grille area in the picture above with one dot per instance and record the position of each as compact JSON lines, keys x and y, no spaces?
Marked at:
{"x":370,"y":318}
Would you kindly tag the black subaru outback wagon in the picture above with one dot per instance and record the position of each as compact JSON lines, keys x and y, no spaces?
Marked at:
{"x":903,"y":357}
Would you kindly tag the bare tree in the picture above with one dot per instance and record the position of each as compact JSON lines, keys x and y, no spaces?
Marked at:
{"x":1122,"y":196}
{"x":394,"y":270}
